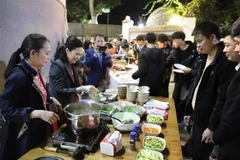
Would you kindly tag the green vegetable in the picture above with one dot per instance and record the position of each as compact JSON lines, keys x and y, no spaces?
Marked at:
{"x":128,"y":109}
{"x":155,"y":118}
{"x":96,"y":95}
{"x":147,"y":154}
{"x":109,"y":108}
{"x":153,"y":143}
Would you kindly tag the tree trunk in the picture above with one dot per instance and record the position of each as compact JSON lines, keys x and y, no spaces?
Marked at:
{"x":92,"y":11}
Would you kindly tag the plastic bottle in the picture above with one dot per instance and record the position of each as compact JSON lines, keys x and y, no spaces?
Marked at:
{"x":137,"y":130}
{"x":132,"y":140}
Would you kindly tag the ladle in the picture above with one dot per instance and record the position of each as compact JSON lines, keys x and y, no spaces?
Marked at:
{"x":126,"y":121}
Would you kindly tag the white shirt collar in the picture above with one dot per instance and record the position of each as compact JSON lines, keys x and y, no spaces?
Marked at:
{"x":237,"y":67}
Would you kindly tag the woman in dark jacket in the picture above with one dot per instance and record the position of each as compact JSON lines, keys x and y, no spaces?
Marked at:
{"x":64,"y":80}
{"x":151,"y":66}
{"x":24,"y":108}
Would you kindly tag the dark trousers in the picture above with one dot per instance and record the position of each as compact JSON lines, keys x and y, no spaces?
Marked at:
{"x":199,"y":150}
{"x":165,"y":83}
{"x":222,"y":157}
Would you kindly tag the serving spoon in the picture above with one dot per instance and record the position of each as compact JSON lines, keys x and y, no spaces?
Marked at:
{"x":126,"y":121}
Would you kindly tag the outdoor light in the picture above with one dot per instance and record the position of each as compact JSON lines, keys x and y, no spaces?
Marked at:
{"x":176,"y":20}
{"x":106,"y":10}
{"x":140,"y":25}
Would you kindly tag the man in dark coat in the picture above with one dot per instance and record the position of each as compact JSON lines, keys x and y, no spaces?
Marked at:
{"x":227,"y":135}
{"x":151,"y":66}
{"x":98,"y":61}
{"x":185,"y":54}
{"x":162,"y":42}
{"x":208,"y":91}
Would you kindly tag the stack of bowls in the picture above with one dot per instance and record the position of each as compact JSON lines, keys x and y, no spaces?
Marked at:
{"x":122,"y":90}
{"x":133,"y":87}
{"x":132,"y":93}
{"x":143,"y":94}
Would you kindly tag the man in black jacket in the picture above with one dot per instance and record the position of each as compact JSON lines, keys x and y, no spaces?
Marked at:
{"x":151,"y":66}
{"x":227,"y":135}
{"x":208,"y":91}
{"x":185,"y":54}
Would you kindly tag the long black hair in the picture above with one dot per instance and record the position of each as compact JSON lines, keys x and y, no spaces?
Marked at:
{"x":33,"y":41}
{"x":72,"y":42}
{"x":86,"y":44}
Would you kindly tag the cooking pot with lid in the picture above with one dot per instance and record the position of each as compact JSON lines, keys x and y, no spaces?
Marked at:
{"x":82,"y":115}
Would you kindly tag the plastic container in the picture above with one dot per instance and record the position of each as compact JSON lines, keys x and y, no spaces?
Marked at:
{"x":149,"y":126}
{"x":154,"y":143}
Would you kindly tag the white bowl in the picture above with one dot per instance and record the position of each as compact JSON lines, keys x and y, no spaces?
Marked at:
{"x":125,"y":116}
{"x":96,"y":97}
{"x":153,"y":118}
{"x":149,"y":154}
{"x":153,"y":142}
{"x":149,"y":126}
{"x":145,"y":88}
{"x":139,"y":110}
{"x":109,"y":109}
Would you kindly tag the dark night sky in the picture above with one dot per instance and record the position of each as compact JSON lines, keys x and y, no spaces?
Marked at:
{"x":133,"y":8}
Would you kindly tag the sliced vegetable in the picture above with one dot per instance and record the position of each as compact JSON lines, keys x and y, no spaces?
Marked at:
{"x":150,"y":130}
{"x":110,"y":108}
{"x":146,"y":154}
{"x":129,"y":109}
{"x":155,"y":118}
{"x":153,"y":143}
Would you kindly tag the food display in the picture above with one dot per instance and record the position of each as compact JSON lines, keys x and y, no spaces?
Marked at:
{"x":146,"y":154}
{"x":125,"y":116}
{"x":110,"y":108}
{"x":152,"y":118}
{"x":130,"y":107}
{"x":135,"y":109}
{"x":96,"y":97}
{"x":156,"y":143}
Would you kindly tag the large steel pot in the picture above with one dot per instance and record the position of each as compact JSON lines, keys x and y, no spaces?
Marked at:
{"x":82,"y":115}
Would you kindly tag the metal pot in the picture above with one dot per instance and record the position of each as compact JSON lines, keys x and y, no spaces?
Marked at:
{"x":82,"y":115}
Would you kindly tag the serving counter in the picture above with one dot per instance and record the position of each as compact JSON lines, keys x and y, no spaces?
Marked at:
{"x":122,"y":78}
{"x":169,"y":132}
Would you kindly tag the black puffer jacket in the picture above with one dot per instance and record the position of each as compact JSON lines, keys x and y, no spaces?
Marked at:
{"x":212,"y":90}
{"x":150,"y":69}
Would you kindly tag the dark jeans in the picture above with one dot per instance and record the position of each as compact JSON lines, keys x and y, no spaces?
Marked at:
{"x":199,"y":150}
{"x":222,"y":157}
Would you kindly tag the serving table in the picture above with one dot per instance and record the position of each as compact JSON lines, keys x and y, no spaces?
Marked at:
{"x":122,"y":78}
{"x":169,"y":132}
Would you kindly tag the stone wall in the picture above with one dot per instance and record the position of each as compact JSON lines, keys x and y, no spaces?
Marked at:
{"x":88,"y":31}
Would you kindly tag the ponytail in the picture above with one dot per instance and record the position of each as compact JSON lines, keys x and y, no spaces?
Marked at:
{"x":61,"y":54}
{"x":14,"y":60}
{"x":33,"y":41}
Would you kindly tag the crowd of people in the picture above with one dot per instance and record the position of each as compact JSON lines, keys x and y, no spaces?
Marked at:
{"x":205,"y":94}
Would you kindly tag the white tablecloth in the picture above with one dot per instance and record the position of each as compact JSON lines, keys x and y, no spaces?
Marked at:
{"x":121,"y":78}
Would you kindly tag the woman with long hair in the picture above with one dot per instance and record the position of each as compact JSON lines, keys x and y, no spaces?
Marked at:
{"x":24,"y":101}
{"x":63,"y":76}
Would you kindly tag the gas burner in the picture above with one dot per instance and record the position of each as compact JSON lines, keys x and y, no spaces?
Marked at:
{"x":88,"y":138}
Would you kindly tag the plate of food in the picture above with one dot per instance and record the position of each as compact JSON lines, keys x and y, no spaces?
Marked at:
{"x":147,"y":154}
{"x":139,"y":110}
{"x":109,"y":110}
{"x":157,"y":119}
{"x":155,"y":143}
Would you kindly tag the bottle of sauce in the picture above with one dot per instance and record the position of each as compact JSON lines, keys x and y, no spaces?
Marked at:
{"x":137,"y":130}
{"x":133,"y":140}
